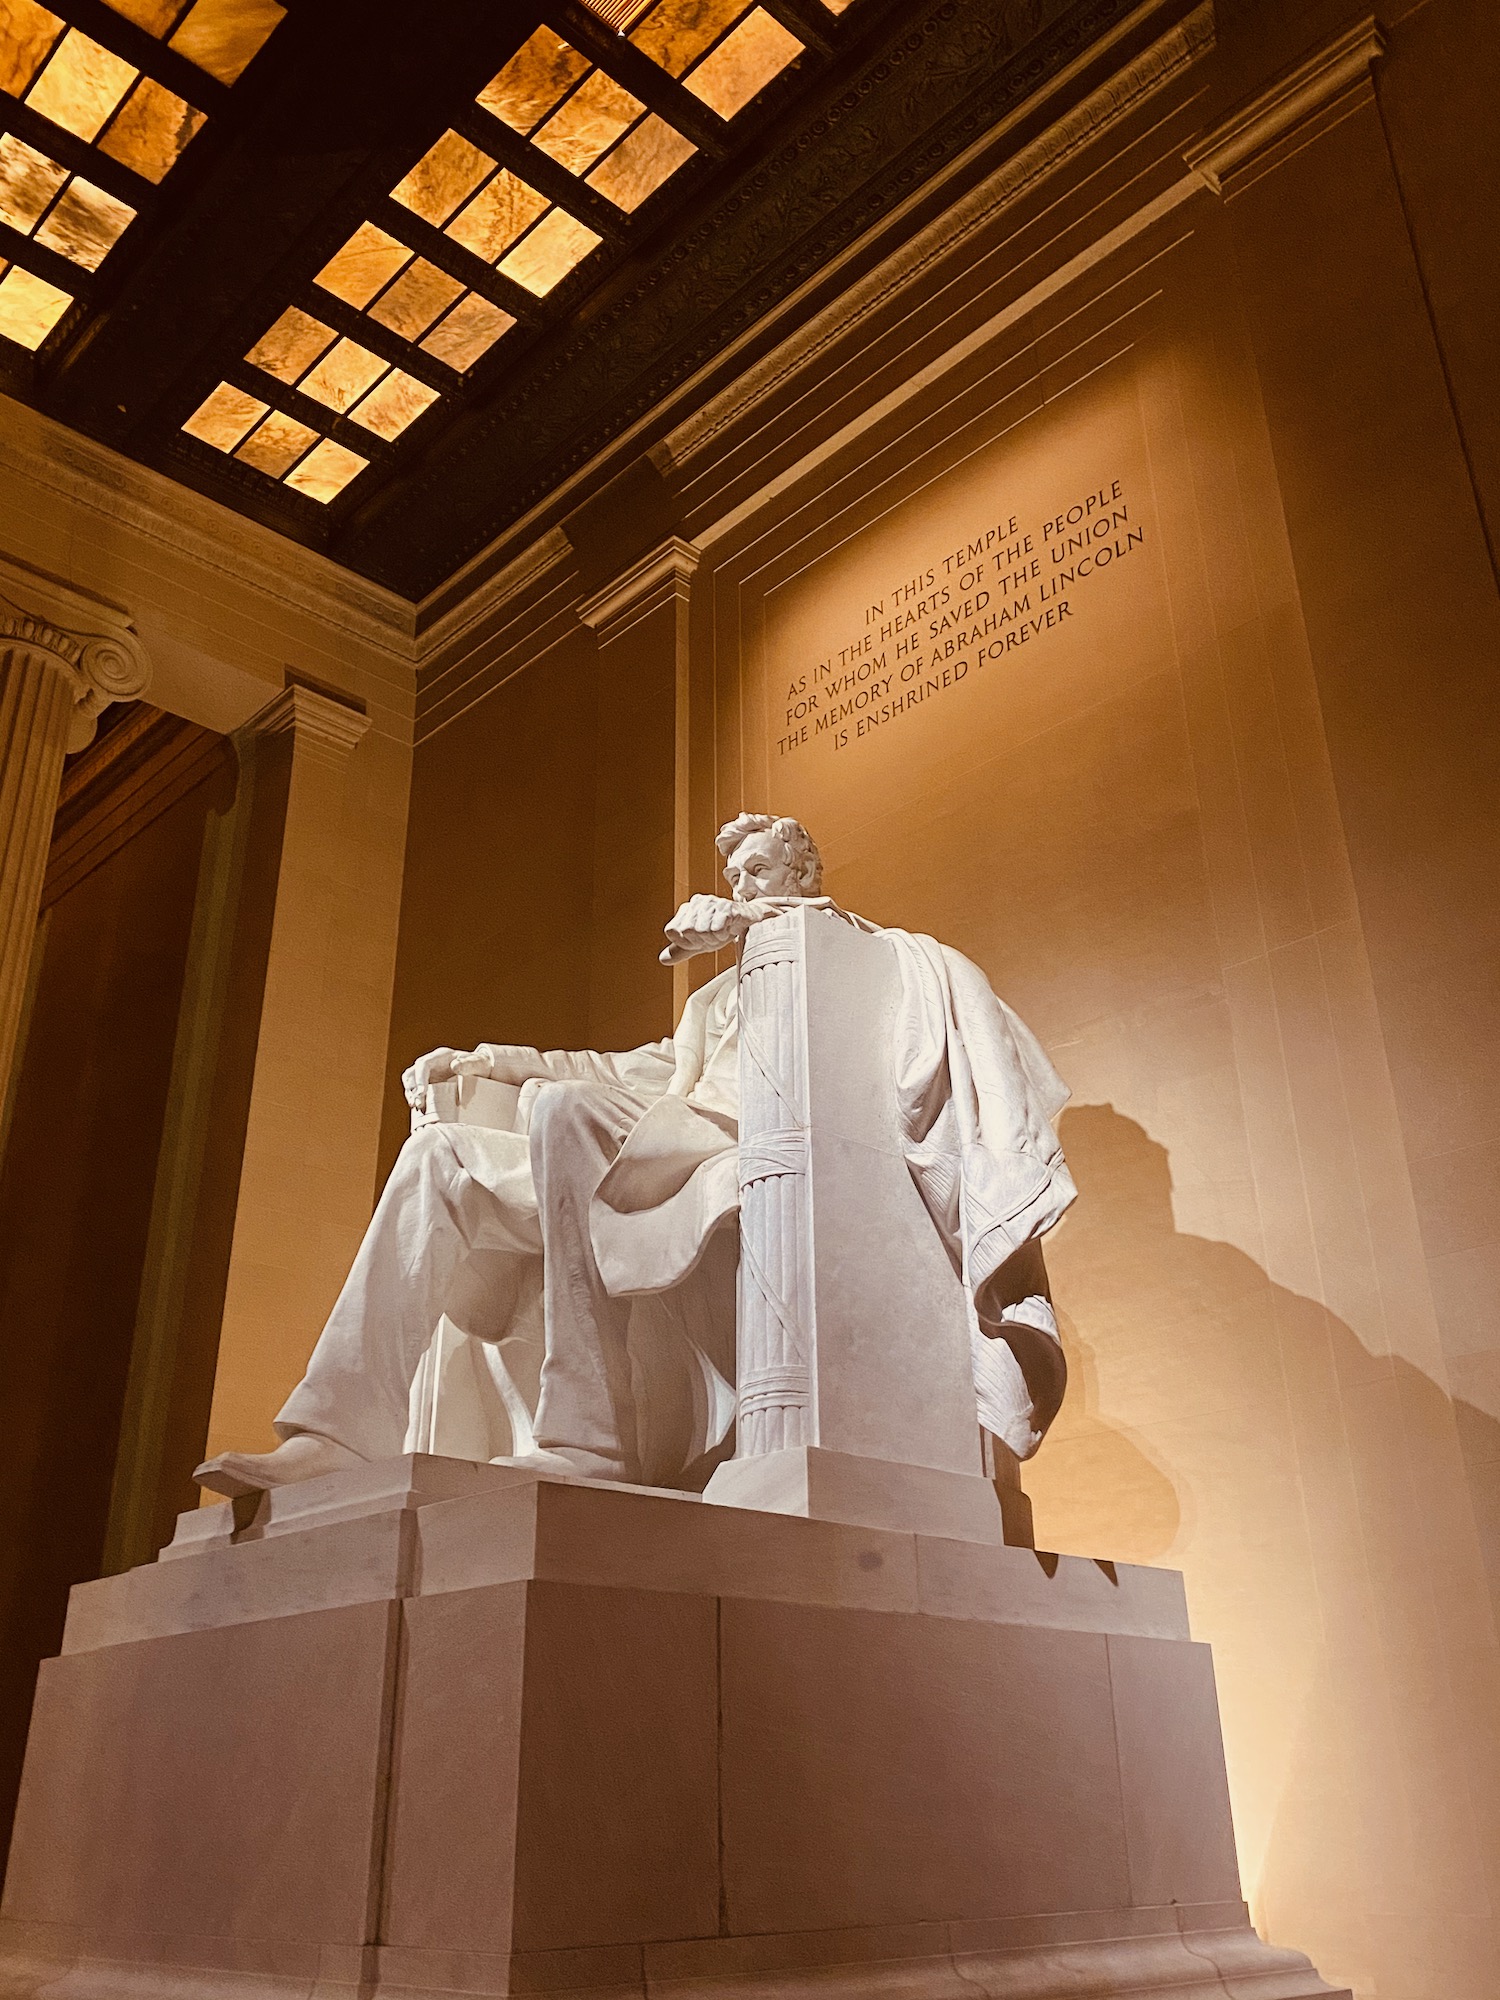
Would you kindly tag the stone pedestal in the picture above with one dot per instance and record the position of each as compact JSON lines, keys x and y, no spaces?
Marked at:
{"x":440,"y":1728}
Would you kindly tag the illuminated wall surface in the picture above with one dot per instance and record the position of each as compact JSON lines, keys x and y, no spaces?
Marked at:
{"x":1042,"y":687}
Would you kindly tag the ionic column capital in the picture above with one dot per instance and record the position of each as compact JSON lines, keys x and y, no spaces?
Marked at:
{"x":85,"y":639}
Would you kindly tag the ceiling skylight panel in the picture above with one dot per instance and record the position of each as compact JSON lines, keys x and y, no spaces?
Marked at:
{"x":69,"y":78}
{"x":588,"y":123}
{"x":645,"y":158}
{"x":548,"y":252}
{"x":326,"y":471}
{"x":222,"y":36}
{"x":223,"y":418}
{"x":676,"y":32}
{"x":273,"y":443}
{"x":219,"y":36}
{"x":537,"y":75}
{"x":740,"y":67}
{"x":394,"y":403}
{"x":81,"y":85}
{"x":504,"y":209}
{"x":468,"y":331}
{"x":85,"y":223}
{"x":64,"y":212}
{"x":414,"y":301}
{"x":29,"y":307}
{"x":27,"y":35}
{"x":289,"y":348}
{"x":411,"y":297}
{"x":343,"y":375}
{"x":151,"y":129}
{"x":369,"y":260}
{"x":443,"y":179}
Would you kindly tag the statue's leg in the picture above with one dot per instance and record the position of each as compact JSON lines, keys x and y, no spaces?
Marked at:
{"x":585,"y":1405}
{"x":354,"y":1396}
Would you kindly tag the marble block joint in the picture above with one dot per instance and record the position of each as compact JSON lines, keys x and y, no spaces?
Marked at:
{"x":432,"y":1727}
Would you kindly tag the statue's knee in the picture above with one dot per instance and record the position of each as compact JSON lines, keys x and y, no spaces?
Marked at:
{"x":560,"y":1110}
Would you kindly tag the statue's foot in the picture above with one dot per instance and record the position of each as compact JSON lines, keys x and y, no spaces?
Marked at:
{"x":304,"y":1455}
{"x":570,"y":1460}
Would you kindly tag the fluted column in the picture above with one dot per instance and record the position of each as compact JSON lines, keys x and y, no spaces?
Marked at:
{"x":64,"y":656}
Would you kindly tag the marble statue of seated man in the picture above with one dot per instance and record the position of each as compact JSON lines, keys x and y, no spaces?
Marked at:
{"x":625,"y":1172}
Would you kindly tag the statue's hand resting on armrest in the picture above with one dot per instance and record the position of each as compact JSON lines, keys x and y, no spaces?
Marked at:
{"x":505,"y":1062}
{"x":705,"y":923}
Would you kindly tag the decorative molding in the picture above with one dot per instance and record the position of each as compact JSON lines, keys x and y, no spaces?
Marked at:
{"x":325,"y":728}
{"x":445,"y":618}
{"x":1139,"y":79}
{"x":41,"y":452}
{"x":666,"y":573}
{"x":89,"y":641}
{"x":1235,"y":153}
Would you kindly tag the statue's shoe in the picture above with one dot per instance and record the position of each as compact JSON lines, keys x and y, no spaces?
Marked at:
{"x":570,"y":1460}
{"x":304,"y":1455}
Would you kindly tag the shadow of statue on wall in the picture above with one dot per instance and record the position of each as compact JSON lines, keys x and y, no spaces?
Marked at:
{"x":1328,"y":1506}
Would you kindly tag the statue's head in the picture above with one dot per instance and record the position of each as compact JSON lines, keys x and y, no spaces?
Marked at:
{"x":765,"y":856}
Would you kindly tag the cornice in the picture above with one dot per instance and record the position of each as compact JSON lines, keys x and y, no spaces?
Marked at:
{"x":1239,"y":149}
{"x":326,"y":728}
{"x":1136,"y":81}
{"x":44,"y":453}
{"x":663,"y":574}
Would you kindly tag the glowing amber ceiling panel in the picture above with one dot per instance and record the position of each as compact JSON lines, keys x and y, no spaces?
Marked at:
{"x":393,"y":404}
{"x":445,"y":176}
{"x":85,"y":223}
{"x":29,"y":307}
{"x":155,"y":16}
{"x":223,"y":418}
{"x":533,"y":80}
{"x":367,"y":261}
{"x":470,"y":330}
{"x":589,"y":122}
{"x":409,"y":306}
{"x":740,"y":67}
{"x":28,"y":183}
{"x":151,"y":130}
{"x":27,"y":33}
{"x":676,"y":32}
{"x":343,"y":375}
{"x":289,"y":348}
{"x":547,"y":253}
{"x":67,"y":214}
{"x":497,"y":215}
{"x":326,"y":471}
{"x":81,"y":85}
{"x":221,"y":36}
{"x":641,"y":162}
{"x":275,"y":445}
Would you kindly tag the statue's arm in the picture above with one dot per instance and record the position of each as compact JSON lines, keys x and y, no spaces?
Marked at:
{"x":647,"y":1069}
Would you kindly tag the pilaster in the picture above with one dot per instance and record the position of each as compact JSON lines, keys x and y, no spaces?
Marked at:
{"x":641,"y":827}
{"x":305,"y":1183}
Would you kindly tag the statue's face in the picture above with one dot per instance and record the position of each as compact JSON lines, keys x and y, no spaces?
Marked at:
{"x":759,"y":867}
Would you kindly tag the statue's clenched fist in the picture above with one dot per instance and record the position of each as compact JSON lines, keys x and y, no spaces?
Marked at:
{"x":704,"y":923}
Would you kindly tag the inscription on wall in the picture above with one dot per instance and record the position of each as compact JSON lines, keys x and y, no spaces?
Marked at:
{"x":999,"y":593}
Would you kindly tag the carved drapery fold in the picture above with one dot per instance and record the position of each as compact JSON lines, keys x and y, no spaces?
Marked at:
{"x":64,"y":657}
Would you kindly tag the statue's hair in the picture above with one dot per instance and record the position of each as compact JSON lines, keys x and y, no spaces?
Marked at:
{"x":800,"y":848}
